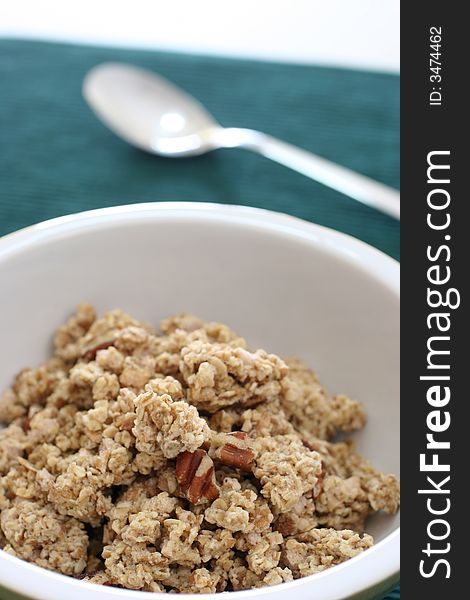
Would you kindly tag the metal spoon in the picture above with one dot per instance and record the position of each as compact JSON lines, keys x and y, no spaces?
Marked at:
{"x":151,"y":113}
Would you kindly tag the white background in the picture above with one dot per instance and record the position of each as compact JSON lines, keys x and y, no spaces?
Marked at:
{"x":351,"y":33}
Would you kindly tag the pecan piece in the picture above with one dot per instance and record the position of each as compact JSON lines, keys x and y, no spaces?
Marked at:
{"x":92,"y":352}
{"x":196,"y":477}
{"x":232,"y":449}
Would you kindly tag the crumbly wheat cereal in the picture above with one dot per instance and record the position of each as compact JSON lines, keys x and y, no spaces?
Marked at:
{"x":180,"y":460}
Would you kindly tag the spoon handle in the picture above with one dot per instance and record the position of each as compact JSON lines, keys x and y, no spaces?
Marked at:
{"x":346,"y":181}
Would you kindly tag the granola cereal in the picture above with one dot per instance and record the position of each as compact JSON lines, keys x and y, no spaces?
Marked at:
{"x":180,"y":460}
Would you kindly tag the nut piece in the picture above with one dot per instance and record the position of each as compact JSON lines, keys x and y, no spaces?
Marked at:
{"x":195,"y":475}
{"x":232,"y":449}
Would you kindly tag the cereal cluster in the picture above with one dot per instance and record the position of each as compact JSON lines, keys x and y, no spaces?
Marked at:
{"x":180,"y":461}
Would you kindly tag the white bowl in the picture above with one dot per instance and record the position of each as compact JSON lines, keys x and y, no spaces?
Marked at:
{"x":286,"y":285}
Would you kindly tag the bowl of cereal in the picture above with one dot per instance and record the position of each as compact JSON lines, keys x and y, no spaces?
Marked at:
{"x":197,"y":399}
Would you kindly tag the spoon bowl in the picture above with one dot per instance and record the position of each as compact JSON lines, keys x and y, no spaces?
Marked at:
{"x":148,"y":111}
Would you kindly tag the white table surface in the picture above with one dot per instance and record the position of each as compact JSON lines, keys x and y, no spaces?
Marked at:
{"x":350,"y":33}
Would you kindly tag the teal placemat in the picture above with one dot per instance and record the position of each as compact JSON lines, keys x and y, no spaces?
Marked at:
{"x":56,"y":158}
